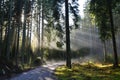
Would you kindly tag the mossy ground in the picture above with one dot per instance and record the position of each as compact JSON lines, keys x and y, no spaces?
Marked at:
{"x":88,"y":72}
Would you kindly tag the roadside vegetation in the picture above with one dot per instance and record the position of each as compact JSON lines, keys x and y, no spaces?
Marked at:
{"x":88,"y":71}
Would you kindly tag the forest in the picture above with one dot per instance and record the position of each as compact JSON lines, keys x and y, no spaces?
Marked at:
{"x":40,"y":35}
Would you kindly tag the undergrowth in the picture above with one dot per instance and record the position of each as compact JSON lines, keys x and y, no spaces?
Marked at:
{"x":88,"y":72}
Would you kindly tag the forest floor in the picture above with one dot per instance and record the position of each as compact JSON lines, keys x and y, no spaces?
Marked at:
{"x":88,"y":71}
{"x":58,"y":71}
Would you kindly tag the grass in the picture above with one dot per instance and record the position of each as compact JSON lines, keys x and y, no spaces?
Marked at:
{"x":88,"y":72}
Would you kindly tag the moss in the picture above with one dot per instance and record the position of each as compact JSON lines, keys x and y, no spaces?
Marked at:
{"x":87,"y":72}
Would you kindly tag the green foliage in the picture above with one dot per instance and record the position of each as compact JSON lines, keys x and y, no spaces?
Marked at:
{"x":117,"y":9}
{"x":54,"y":54}
{"x":59,"y":44}
{"x":87,"y":72}
{"x":60,"y":54}
{"x":102,"y":17}
{"x":17,"y":17}
{"x":83,"y":52}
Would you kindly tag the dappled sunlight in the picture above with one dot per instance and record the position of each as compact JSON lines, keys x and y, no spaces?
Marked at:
{"x":60,"y":73}
{"x":52,"y":65}
{"x":40,"y":73}
{"x":34,"y":43}
{"x":88,"y":71}
{"x":103,"y":65}
{"x":60,"y":39}
{"x":89,"y":38}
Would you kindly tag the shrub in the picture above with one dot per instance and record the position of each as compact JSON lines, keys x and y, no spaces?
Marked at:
{"x":60,"y":54}
{"x":37,"y":61}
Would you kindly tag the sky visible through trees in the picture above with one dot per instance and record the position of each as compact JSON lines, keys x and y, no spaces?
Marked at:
{"x":81,"y":7}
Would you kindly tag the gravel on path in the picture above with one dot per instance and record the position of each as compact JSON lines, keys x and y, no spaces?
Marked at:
{"x":45,"y":72}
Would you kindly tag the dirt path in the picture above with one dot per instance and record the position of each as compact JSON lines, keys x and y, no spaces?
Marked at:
{"x":46,"y":72}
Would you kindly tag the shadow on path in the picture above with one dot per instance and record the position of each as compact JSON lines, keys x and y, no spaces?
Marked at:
{"x":46,"y":72}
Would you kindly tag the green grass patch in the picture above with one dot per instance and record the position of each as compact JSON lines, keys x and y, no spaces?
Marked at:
{"x":88,"y":72}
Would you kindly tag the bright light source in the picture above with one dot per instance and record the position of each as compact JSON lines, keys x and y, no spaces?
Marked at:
{"x":81,"y":7}
{"x":22,"y":18}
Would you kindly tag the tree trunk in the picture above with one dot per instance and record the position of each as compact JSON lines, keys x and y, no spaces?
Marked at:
{"x":113,"y":34}
{"x":9,"y":31}
{"x":15,"y":44}
{"x":0,"y":30}
{"x":27,"y":42}
{"x":38,"y":29}
{"x":42,"y":36}
{"x":18,"y":36}
{"x":30,"y":36}
{"x":24,"y":35}
{"x":68,"y":51}
{"x":105,"y":51}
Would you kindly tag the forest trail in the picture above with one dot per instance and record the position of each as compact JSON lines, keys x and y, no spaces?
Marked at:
{"x":45,"y":72}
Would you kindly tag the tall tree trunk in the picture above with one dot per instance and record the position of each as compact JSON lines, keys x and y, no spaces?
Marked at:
{"x":113,"y":34}
{"x":27,"y":42}
{"x":68,"y":51}
{"x":18,"y":10}
{"x":0,"y":29}
{"x":39,"y":32}
{"x":14,"y":44}
{"x":9,"y":31}
{"x":18,"y":36}
{"x":24,"y":35}
{"x":30,"y":36}
{"x":38,"y":29}
{"x":30,"y":42}
{"x":42,"y":36}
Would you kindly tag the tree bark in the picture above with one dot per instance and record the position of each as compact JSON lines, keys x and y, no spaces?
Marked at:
{"x":0,"y":30}
{"x":24,"y":34}
{"x":38,"y":29}
{"x":105,"y":51}
{"x":68,"y":51}
{"x":42,"y":36}
{"x":113,"y":34}
{"x":9,"y":31}
{"x":18,"y":36}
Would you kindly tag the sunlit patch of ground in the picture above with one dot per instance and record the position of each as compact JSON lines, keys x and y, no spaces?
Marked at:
{"x":88,"y":72}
